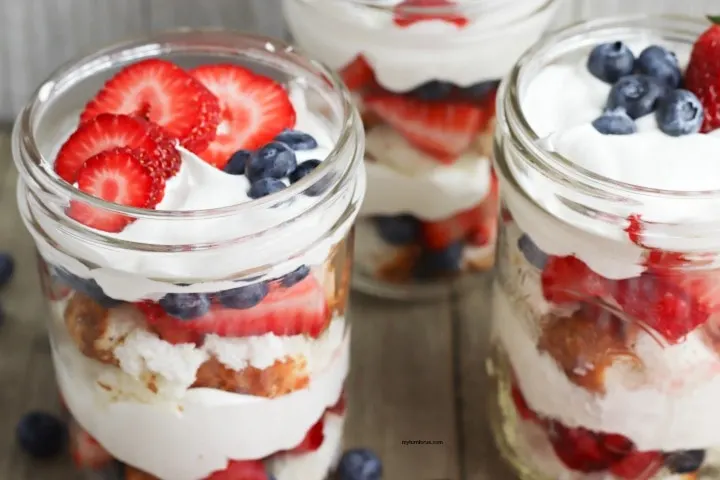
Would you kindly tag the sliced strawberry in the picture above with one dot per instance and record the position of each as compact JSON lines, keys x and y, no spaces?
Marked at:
{"x":638,"y":466}
{"x":253,"y":110}
{"x":313,"y":439}
{"x":521,"y":405}
{"x":357,"y":74}
{"x":241,"y":470}
{"x":579,"y":449}
{"x":439,"y":235}
{"x":108,"y":131}
{"x":86,"y":452}
{"x":702,"y":76}
{"x":409,"y":12}
{"x":568,"y":279}
{"x":300,"y":309}
{"x":341,"y":405}
{"x":165,"y":94}
{"x":441,"y":129}
{"x":672,"y":305}
{"x":119,"y":176}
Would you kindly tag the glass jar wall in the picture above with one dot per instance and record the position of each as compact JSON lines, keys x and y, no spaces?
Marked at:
{"x":606,"y":359}
{"x":424,"y":78}
{"x":199,"y":332}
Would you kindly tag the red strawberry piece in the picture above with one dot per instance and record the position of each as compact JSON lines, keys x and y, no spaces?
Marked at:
{"x":253,"y":110}
{"x":313,"y":439}
{"x":440,"y":234}
{"x":108,"y":131}
{"x":638,"y":466}
{"x":86,"y":452}
{"x":579,"y":449}
{"x":165,"y":94}
{"x":673,"y":304}
{"x":702,"y":76}
{"x":568,"y":279}
{"x":617,"y":444}
{"x":357,"y":74}
{"x":300,"y":309}
{"x":241,"y":470}
{"x":441,"y":129}
{"x":119,"y":176}
{"x":412,"y":11}
{"x":521,"y":405}
{"x":341,"y":406}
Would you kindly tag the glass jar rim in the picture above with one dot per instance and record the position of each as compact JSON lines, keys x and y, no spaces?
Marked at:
{"x":33,"y":163}
{"x":558,"y":168}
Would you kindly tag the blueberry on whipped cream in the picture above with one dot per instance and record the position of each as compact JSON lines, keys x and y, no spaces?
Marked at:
{"x":660,"y":63}
{"x":680,"y":113}
{"x":611,"y":61}
{"x":615,"y":122}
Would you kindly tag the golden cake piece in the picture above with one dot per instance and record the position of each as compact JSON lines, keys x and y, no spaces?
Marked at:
{"x":401,"y":267}
{"x":281,"y":378}
{"x":478,"y":259}
{"x":587,"y":343}
{"x":89,"y":326}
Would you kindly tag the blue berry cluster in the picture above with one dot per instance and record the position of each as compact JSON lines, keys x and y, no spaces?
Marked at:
{"x":405,"y":230}
{"x":359,"y":464}
{"x":649,"y":83}
{"x":187,"y":306}
{"x":437,"y":90}
{"x":270,"y":168}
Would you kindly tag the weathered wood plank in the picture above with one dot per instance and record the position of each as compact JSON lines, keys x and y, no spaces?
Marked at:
{"x":479,"y":457}
{"x":401,"y":387}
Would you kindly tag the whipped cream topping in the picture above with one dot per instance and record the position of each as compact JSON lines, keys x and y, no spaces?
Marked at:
{"x":559,"y":104}
{"x":402,"y":179}
{"x":188,"y":434}
{"x":406,"y":57}
{"x":130,"y":274}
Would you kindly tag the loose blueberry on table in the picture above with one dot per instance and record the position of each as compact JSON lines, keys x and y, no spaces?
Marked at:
{"x":41,"y":435}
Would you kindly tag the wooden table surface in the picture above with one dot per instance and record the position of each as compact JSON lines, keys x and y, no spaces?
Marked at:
{"x":417,"y":373}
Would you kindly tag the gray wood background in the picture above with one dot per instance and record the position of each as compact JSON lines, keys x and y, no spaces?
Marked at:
{"x":38,"y":35}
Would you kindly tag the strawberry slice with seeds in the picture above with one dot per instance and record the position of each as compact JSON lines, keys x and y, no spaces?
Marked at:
{"x":313,"y":439}
{"x":299,"y":310}
{"x":165,"y":94}
{"x":411,"y":11}
{"x":568,"y":279}
{"x":357,"y":74}
{"x":442,"y":129}
{"x":702,"y":76}
{"x":440,"y":234}
{"x":578,"y":448}
{"x":241,"y":470}
{"x":253,"y":110}
{"x":119,"y":176}
{"x":107,"y":131}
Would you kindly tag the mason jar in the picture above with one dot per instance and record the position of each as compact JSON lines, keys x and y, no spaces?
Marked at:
{"x":424,"y":77}
{"x":204,"y":339}
{"x":606,"y":358}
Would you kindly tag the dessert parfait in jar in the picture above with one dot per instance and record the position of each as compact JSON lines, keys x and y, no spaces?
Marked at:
{"x":424,"y":76}
{"x":191,"y":198}
{"x":606,"y":299}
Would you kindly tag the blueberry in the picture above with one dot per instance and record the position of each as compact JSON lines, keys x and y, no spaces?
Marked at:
{"x":238,"y":161}
{"x":297,"y":140}
{"x":685,"y":461}
{"x":679,"y":113}
{"x":398,"y":229}
{"x":658,"y":62}
{"x":478,"y":91}
{"x":7,"y":268}
{"x":638,"y":95}
{"x":434,"y":263}
{"x":615,"y":122}
{"x":185,"y":306}
{"x":264,"y":187}
{"x":246,"y":296}
{"x":274,"y":160}
{"x":532,"y":253}
{"x":41,"y":434}
{"x":86,"y":286}
{"x":610,"y":61}
{"x":295,"y":277}
{"x":432,"y":91}
{"x":305,"y":168}
{"x":359,"y":464}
